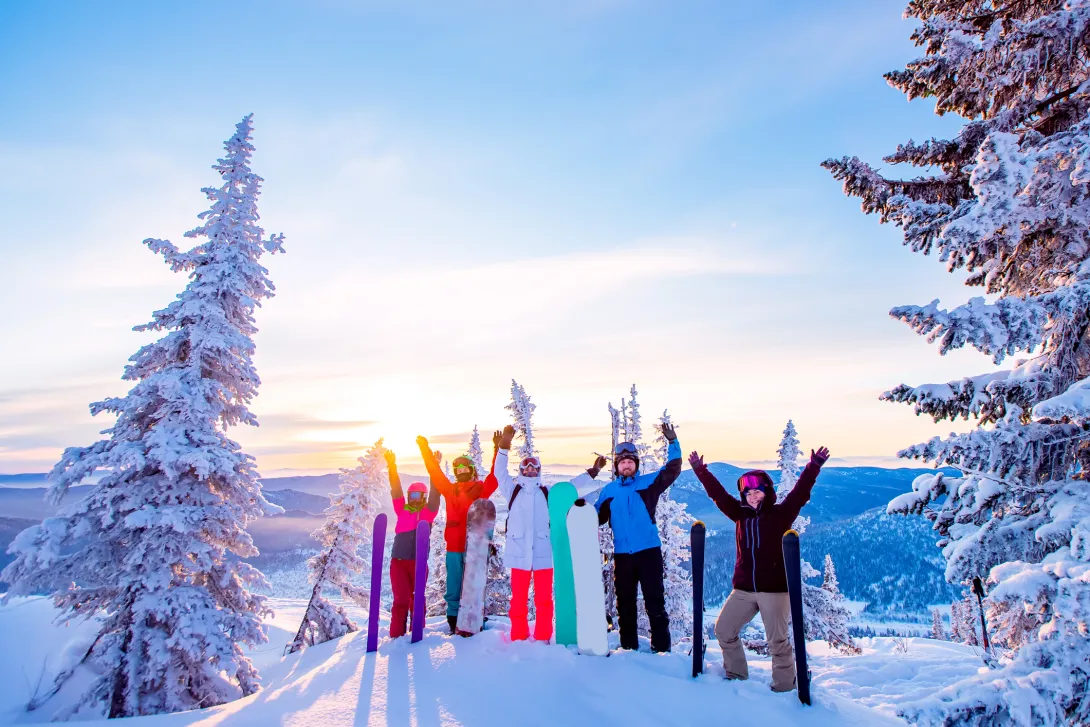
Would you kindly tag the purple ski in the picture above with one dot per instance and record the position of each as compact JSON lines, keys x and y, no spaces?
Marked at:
{"x":420,"y":582}
{"x":378,"y":550}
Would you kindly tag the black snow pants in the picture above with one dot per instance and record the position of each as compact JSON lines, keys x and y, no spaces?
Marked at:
{"x":643,"y":568}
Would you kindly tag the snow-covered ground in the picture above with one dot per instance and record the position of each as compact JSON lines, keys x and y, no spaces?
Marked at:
{"x":486,"y":679}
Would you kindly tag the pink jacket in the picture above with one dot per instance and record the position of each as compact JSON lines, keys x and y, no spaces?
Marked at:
{"x":406,"y":521}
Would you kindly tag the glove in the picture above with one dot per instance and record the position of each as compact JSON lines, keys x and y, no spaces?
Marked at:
{"x":595,"y":468}
{"x":668,"y":432}
{"x":496,"y":437}
{"x":391,"y":458}
{"x":820,"y":457}
{"x":507,"y":436}
{"x":696,"y":460}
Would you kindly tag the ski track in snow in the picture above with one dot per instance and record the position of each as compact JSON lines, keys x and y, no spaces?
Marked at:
{"x":486,"y":679}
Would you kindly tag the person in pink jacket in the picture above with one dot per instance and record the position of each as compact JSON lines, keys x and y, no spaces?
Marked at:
{"x":409,"y":512}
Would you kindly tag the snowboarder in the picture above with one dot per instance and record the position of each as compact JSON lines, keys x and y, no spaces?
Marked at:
{"x":403,"y":557}
{"x":458,"y":495}
{"x":529,"y":548}
{"x":628,"y":504}
{"x":760,"y":579}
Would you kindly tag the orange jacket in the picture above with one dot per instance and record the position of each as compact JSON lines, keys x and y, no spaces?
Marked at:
{"x":458,"y":496}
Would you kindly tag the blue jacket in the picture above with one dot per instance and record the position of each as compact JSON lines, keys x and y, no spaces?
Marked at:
{"x":628,"y":505}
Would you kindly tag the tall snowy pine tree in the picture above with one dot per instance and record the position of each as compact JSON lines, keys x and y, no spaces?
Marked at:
{"x":937,"y":632}
{"x":152,"y":554}
{"x":349,"y":519}
{"x":1008,"y":205}
{"x":824,"y":612}
{"x":673,"y":523}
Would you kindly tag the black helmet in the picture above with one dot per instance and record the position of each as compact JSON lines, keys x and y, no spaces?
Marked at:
{"x":625,"y":450}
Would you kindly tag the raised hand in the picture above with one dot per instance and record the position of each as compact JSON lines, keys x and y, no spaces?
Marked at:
{"x":668,"y":431}
{"x":496,"y":438}
{"x":438,"y":456}
{"x":422,"y":442}
{"x":391,"y":458}
{"x":600,"y":462}
{"x":820,"y":457}
{"x":507,"y":437}
{"x":696,"y":460}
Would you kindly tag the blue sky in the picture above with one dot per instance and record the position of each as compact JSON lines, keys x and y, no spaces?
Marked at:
{"x":579,"y":195}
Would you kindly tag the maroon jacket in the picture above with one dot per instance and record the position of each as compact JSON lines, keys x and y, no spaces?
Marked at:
{"x":758,"y":534}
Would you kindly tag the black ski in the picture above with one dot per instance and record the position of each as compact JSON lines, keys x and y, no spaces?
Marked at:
{"x":793,"y":563}
{"x":696,"y":551}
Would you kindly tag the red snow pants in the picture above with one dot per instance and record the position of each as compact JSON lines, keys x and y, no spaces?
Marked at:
{"x":520,"y":603}
{"x":402,"y":580}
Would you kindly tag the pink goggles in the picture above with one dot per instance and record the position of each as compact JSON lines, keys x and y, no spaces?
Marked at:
{"x":751,"y":482}
{"x":530,"y":462}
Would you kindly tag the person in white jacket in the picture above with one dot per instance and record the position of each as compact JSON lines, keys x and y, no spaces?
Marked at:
{"x":529,"y":552}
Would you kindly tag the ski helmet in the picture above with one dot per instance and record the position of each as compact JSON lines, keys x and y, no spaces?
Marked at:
{"x":464,"y":461}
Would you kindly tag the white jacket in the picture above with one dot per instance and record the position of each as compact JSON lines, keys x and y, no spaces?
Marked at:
{"x":528,"y":544}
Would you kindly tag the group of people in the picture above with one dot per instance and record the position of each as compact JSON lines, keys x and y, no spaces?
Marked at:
{"x":627,"y":505}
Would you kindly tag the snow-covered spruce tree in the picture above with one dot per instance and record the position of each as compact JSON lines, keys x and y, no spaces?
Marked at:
{"x":824,"y":611}
{"x":937,"y":632}
{"x":634,"y":428}
{"x":605,"y":533}
{"x":955,"y":623}
{"x":826,"y":615}
{"x":153,"y":552}
{"x":662,"y":444}
{"x":970,"y":617}
{"x":522,"y":411}
{"x":498,"y":591}
{"x":475,"y":452}
{"x":1009,"y":205}
{"x":673,"y":523}
{"x":348,"y":525}
{"x":788,"y":458}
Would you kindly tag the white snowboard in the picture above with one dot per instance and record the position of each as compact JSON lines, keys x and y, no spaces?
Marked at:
{"x":590,"y":598}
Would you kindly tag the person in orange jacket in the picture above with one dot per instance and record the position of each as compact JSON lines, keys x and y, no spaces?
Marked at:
{"x":458,"y":496}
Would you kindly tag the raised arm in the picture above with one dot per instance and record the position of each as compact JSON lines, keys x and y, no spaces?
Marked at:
{"x":396,"y":492}
{"x":500,"y":475}
{"x":585,"y":483}
{"x":438,"y":480}
{"x":672,"y":468}
{"x":800,"y":493}
{"x":727,"y":504}
{"x":490,"y":482}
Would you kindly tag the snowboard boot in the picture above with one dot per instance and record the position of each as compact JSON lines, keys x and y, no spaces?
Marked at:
{"x":452,"y":621}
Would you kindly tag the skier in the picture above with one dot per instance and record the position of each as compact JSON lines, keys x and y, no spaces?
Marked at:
{"x":403,"y":556}
{"x":529,"y":552}
{"x":760,"y":580}
{"x":628,"y":504}
{"x":458,"y":495}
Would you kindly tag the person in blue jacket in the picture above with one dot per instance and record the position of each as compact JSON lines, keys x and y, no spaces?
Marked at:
{"x":628,"y":504}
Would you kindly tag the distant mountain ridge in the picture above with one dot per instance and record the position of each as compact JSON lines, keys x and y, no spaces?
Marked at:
{"x":889,"y":561}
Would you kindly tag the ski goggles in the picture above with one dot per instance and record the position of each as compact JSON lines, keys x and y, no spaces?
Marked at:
{"x":751,"y":482}
{"x":416,"y":495}
{"x":463,"y":468}
{"x":625,"y":448}
{"x":530,"y":463}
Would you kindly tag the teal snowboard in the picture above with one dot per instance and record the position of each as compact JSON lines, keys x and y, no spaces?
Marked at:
{"x":561,"y":498}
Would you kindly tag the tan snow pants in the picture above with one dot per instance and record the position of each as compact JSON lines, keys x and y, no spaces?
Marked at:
{"x":775,"y":609}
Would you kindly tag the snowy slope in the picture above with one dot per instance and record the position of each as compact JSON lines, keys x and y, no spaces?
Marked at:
{"x":480,"y":681}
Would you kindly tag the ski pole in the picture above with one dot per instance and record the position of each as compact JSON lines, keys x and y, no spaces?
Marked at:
{"x":978,"y":589}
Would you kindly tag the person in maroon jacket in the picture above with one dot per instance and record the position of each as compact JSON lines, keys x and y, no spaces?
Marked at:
{"x":760,"y":580}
